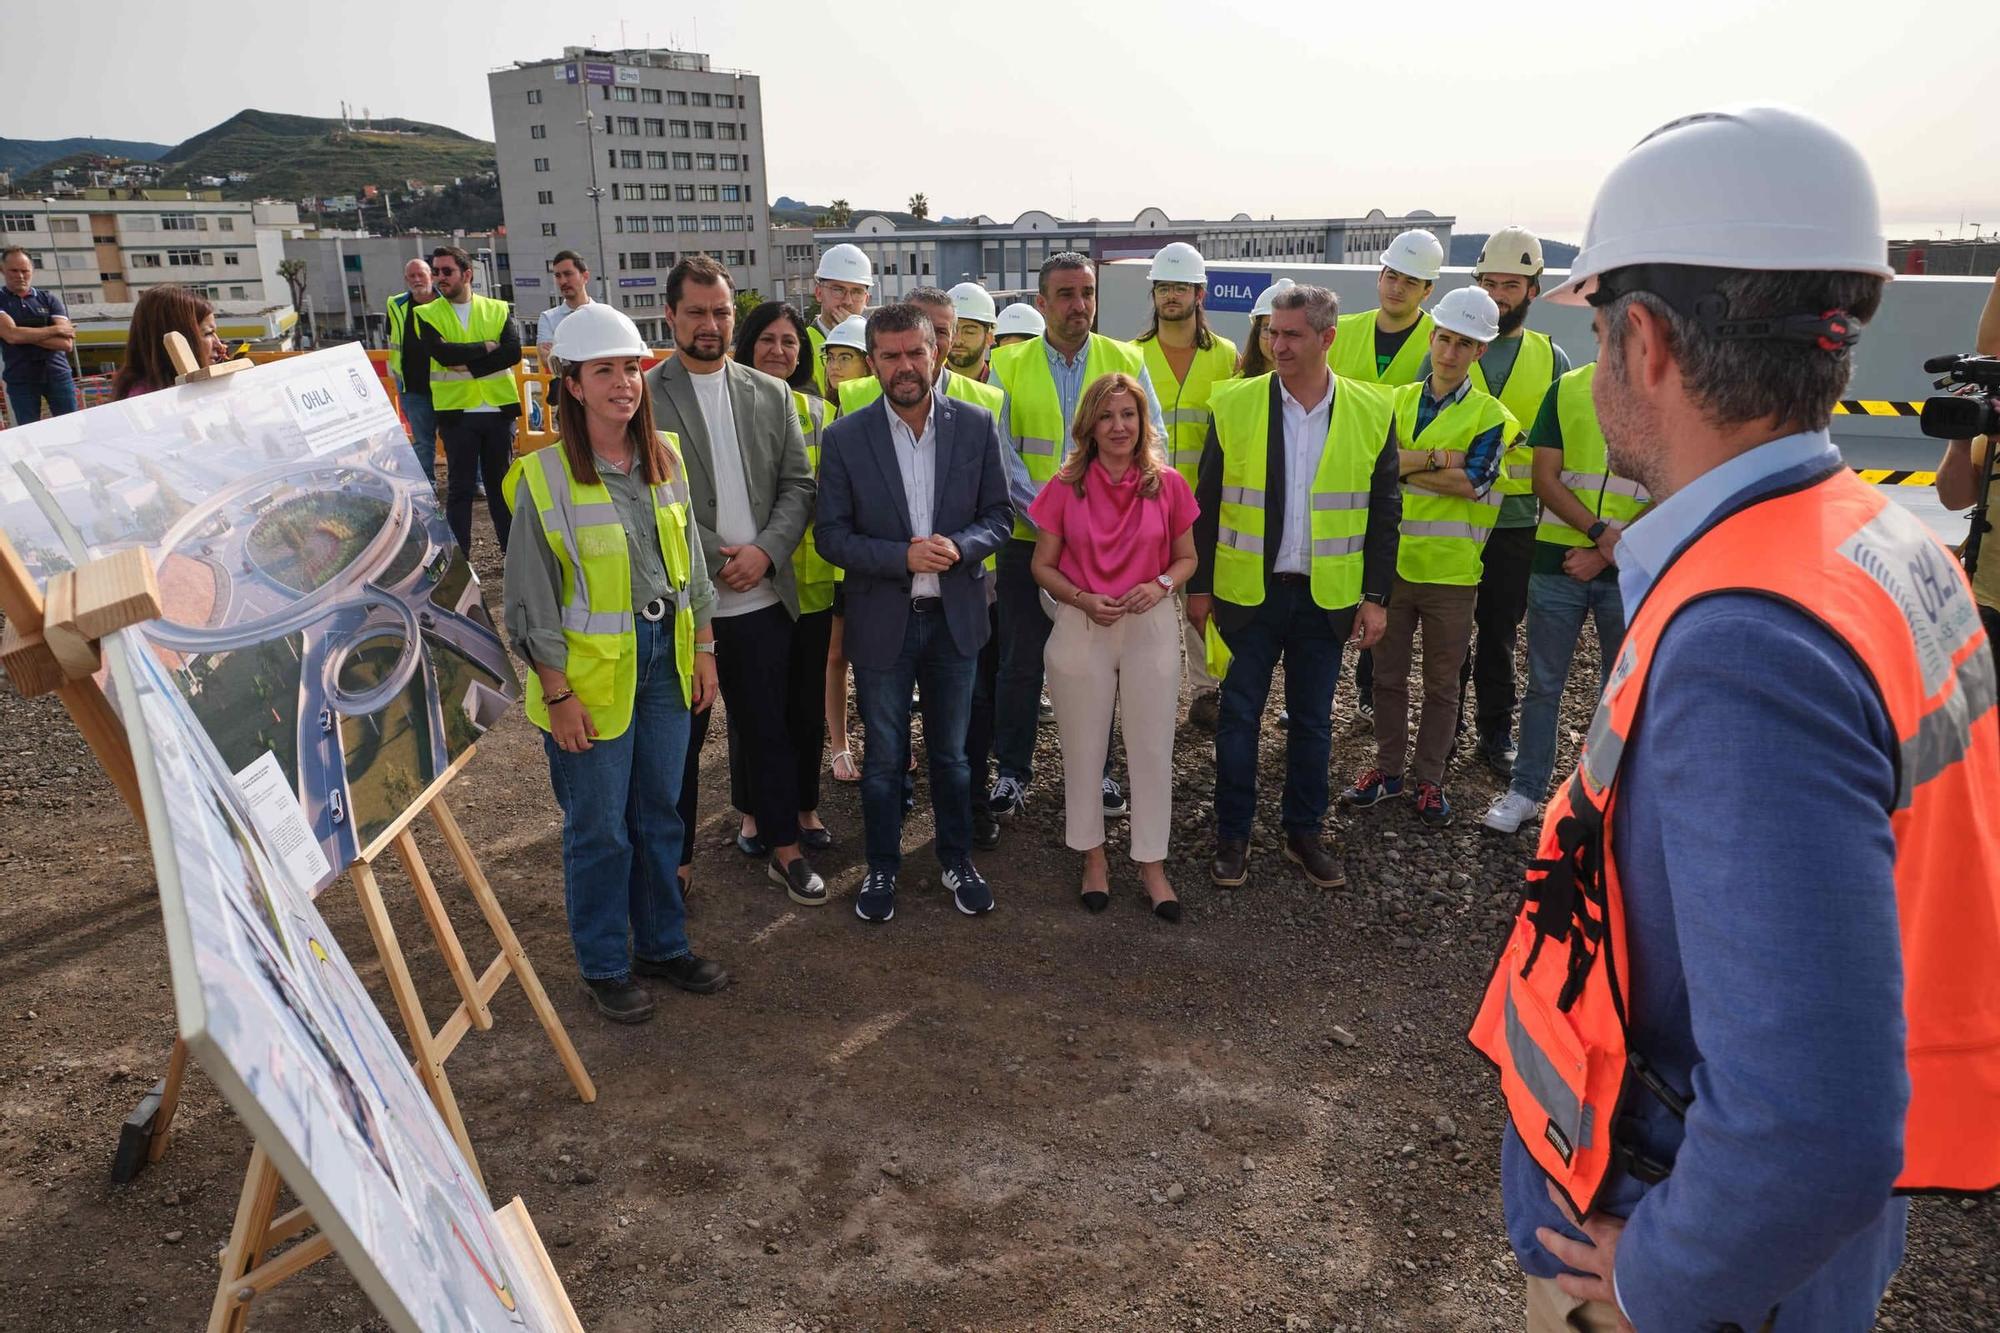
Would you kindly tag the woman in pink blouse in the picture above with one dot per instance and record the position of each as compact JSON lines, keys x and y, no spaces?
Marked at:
{"x":1117,"y":538}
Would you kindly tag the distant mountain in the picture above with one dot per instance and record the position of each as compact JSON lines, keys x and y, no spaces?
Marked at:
{"x":291,"y":157}
{"x":24,"y":155}
{"x":1465,"y":250}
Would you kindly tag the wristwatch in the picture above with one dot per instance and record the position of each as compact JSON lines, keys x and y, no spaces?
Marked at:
{"x":1166,"y":581}
{"x":1597,"y":530}
{"x":1379,"y":598}
{"x":708,"y":647}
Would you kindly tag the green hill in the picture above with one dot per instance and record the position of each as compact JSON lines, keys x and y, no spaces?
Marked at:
{"x":25,"y":155}
{"x":291,"y":157}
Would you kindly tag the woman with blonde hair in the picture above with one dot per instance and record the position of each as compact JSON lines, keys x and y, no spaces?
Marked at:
{"x":1115,"y":540}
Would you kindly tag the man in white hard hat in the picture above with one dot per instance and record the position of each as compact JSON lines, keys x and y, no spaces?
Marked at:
{"x":1186,"y":359}
{"x":841,"y":285}
{"x":1750,"y":993}
{"x":1018,"y":323}
{"x":1452,"y":436}
{"x":972,"y":334}
{"x":1386,"y":345}
{"x":1518,"y":369}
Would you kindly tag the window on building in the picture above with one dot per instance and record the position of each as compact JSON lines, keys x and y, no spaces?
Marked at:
{"x":734,"y":257}
{"x":631,"y":159}
{"x":184,"y":258}
{"x":541,"y":164}
{"x":704,"y":161}
{"x":687,"y":223}
{"x":661,"y":222}
{"x":538,"y":131}
{"x":111,"y":277}
{"x":638,"y":223}
{"x":683,"y":161}
{"x":727,"y":130}
{"x":618,"y":224}
{"x":177,"y":222}
{"x":231,"y":259}
{"x":707,"y":194}
{"x":534,"y":97}
{"x":798,"y":253}
{"x":354,"y":291}
{"x":746,"y":161}
{"x":624,"y":94}
{"x":732,"y":194}
{"x":236,"y":293}
{"x":701,"y":99}
{"x":736,"y":222}
{"x":710,"y":222}
{"x":753,"y":256}
{"x":656,"y":161}
{"x":638,"y":259}
{"x":104,"y":240}
{"x":545,"y":197}
{"x":62,"y":226}
{"x":684,"y":193}
{"x":649,"y":94}
{"x":225,"y":224}
{"x":548,"y":229}
{"x":725,"y":99}
{"x":704,"y":129}
{"x":628,"y":124}
{"x":611,"y":156}
{"x":662,"y":191}
{"x":677,"y":129}
{"x":144,"y":261}
{"x":655,"y":128}
{"x":729,"y":161}
{"x":664,"y":258}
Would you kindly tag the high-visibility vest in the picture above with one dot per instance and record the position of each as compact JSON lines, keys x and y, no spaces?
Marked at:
{"x":815,"y":577}
{"x":1586,"y":465}
{"x":582,"y":528}
{"x":1035,"y":409}
{"x":454,"y":388}
{"x":857,"y":394}
{"x":1353,"y":353}
{"x":1444,"y":536}
{"x":818,"y":341}
{"x":1534,"y":370}
{"x":1184,"y":403}
{"x":1555,"y":1016}
{"x":399,"y":316}
{"x":1337,"y":507}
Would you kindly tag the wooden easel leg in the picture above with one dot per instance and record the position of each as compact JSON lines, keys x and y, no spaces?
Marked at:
{"x":511,"y":950}
{"x":254,"y":1207}
{"x":442,"y":931}
{"x":170,"y":1098}
{"x":430,"y":1068}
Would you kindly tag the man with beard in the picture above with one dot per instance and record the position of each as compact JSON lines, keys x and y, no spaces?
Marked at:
{"x":1749,"y":995}
{"x":840,"y":285}
{"x":752,"y":489}
{"x":572,"y":277}
{"x":1386,"y":345}
{"x":1518,"y":368}
{"x":913,"y":500}
{"x":972,"y":340}
{"x":473,"y":344}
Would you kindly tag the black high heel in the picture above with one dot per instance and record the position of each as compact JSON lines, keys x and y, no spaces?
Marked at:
{"x":1096,"y":900}
{"x":1168,"y":911}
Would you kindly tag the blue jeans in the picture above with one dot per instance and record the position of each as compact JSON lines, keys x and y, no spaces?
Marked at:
{"x":1289,"y":625}
{"x":621,"y":832}
{"x":1557,"y":605}
{"x":423,"y":431}
{"x":26,"y":395}
{"x":929,"y":659}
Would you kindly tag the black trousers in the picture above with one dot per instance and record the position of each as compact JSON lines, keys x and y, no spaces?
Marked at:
{"x":753,"y":654}
{"x":805,"y":717}
{"x":1502,"y":606}
{"x":476,"y":444}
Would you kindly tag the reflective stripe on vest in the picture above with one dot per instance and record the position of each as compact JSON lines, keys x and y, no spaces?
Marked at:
{"x":1586,"y":465}
{"x":1443,"y":536}
{"x":1184,"y":403}
{"x":588,"y":540}
{"x":1035,"y":409}
{"x":814,"y":576}
{"x":1337,"y":508}
{"x":1554,"y":1018}
{"x":1353,"y":353}
{"x":1527,"y":384}
{"x":454,"y":388}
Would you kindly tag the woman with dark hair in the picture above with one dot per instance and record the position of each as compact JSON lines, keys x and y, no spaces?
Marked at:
{"x":772,"y":338}
{"x":608,"y":600}
{"x":167,"y":308}
{"x":1256,"y":357}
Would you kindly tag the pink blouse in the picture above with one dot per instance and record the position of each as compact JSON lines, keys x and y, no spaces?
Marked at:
{"x":1114,"y":539}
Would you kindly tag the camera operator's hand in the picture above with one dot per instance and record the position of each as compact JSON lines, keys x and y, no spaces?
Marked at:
{"x":1959,"y":472}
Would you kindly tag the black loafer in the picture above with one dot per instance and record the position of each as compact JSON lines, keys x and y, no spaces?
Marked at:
{"x":815,"y":839}
{"x":620,"y":999}
{"x":1232,"y":862}
{"x":751,"y":844}
{"x":703,"y":976}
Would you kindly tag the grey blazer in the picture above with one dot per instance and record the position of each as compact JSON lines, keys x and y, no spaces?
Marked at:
{"x":775,"y":471}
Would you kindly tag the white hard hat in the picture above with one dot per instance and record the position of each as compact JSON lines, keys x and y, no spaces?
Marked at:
{"x":1470,"y":312}
{"x":1268,"y":295}
{"x":846,"y":263}
{"x":850,"y":332}
{"x":1416,"y":253}
{"x":1765,"y":188}
{"x":1511,"y":250}
{"x":971,"y":301}
{"x":1178,"y":262}
{"x":1020,"y":318}
{"x":596,"y":330}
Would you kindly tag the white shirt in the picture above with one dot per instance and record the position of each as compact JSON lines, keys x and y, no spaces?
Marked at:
{"x":552,"y":318}
{"x":916,"y":459}
{"x":734,"y":523}
{"x":464,"y":313}
{"x":1305,"y":441}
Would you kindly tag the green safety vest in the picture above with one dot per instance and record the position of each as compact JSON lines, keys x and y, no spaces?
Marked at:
{"x":1357,"y":428}
{"x":582,"y":527}
{"x":453,"y":388}
{"x":857,"y":394}
{"x":1035,"y":409}
{"x":1184,"y":403}
{"x":1534,"y":370}
{"x":810,"y":570}
{"x":1353,"y":353}
{"x":818,"y":341}
{"x":399,"y":314}
{"x":1443,"y":536}
{"x":1586,"y":466}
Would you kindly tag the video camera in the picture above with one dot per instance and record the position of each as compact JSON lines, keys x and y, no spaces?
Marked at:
{"x":1960,"y":415}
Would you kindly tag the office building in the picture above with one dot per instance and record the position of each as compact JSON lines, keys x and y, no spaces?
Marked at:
{"x":106,"y":247}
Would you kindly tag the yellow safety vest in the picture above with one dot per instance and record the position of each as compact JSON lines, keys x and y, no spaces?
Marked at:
{"x":813,"y":574}
{"x":1586,"y":467}
{"x":1035,"y":409}
{"x":857,"y":394}
{"x":1184,"y":403}
{"x":582,"y":527}
{"x":1534,"y":370}
{"x":1357,"y":428}
{"x":1353,"y":353}
{"x":1443,"y":536}
{"x":399,"y":316}
{"x":453,"y":388}
{"x":818,"y":341}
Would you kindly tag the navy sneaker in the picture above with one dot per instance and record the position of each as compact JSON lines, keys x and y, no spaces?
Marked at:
{"x":968,"y":889}
{"x":877,"y":900}
{"x":1008,"y":799}
{"x":1370,"y":787}
{"x":1432,"y":807}
{"x":1115,"y":804}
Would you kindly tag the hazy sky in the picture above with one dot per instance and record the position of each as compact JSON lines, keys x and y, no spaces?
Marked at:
{"x":1283,"y":108}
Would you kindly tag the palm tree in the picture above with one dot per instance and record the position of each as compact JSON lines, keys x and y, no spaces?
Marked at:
{"x":838,"y":214}
{"x":920,"y":207}
{"x":293,"y":271}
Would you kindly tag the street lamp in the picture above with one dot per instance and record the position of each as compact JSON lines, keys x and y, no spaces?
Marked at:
{"x":596,"y":194}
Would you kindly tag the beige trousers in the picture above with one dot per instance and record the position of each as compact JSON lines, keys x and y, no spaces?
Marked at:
{"x":1553,"y":1310}
{"x":1196,"y":649}
{"x":1132,"y":667}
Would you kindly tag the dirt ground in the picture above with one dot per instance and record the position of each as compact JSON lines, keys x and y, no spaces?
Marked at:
{"x":1264,"y":1118}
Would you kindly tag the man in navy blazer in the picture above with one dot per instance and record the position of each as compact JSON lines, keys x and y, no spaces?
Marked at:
{"x":912,"y":499}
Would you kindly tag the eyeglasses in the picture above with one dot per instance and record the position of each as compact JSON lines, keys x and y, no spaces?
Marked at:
{"x":1176,"y":288}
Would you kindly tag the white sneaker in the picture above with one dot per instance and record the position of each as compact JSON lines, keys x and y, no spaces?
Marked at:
{"x":1508,"y":812}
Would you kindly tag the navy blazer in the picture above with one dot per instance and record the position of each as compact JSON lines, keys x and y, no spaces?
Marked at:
{"x":862,"y":524}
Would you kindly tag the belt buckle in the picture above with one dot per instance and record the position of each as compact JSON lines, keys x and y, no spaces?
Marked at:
{"x":654,"y":611}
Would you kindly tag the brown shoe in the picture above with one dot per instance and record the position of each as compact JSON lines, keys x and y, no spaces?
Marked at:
{"x":1204,"y":710}
{"x":1322,"y":867}
{"x":1232,"y":862}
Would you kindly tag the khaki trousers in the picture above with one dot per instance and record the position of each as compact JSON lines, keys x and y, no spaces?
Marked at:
{"x":1133,"y":668}
{"x":1445,"y":613}
{"x":1553,"y":1310}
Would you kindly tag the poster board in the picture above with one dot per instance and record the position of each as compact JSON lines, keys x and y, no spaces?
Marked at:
{"x":270,"y":1007}
{"x":320,"y":622}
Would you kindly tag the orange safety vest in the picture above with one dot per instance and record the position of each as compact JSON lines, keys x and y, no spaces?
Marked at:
{"x":1554,"y":1017}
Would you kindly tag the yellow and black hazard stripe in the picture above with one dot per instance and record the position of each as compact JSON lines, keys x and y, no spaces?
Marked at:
{"x":1875,"y":407}
{"x":1882,"y":476}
